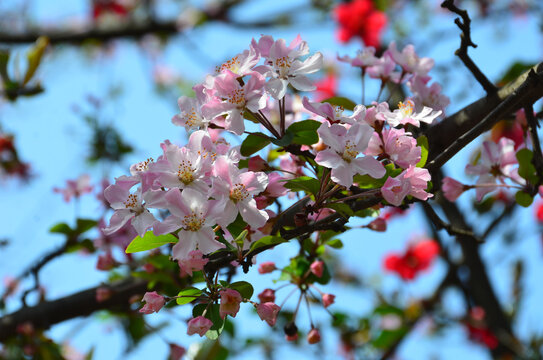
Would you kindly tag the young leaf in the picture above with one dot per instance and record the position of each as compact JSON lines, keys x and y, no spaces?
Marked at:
{"x":523,"y":199}
{"x":34,"y":57}
{"x":267,"y":241}
{"x":149,"y":241}
{"x":422,"y":141}
{"x":254,"y":143}
{"x":188,"y":295}
{"x":244,"y":288}
{"x":304,"y":132}
{"x":304,"y":183}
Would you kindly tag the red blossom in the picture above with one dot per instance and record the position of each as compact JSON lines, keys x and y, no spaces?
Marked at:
{"x":539,"y":211}
{"x":360,"y":18}
{"x":326,"y":87}
{"x":101,"y":7}
{"x":418,"y":257}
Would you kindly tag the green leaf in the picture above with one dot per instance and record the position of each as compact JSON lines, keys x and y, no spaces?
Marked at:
{"x":34,"y":57}
{"x":254,"y":143}
{"x":341,"y":101}
{"x":305,"y":132}
{"x":150,"y":241}
{"x":285,"y":140}
{"x":514,"y":71}
{"x":213,"y":314}
{"x":266,"y":241}
{"x":367,"y":182}
{"x":523,"y":199}
{"x":526,"y":168}
{"x":422,"y":141}
{"x":388,"y":337}
{"x":4,"y":60}
{"x":342,"y":208}
{"x":335,"y":243}
{"x":189,"y":295}
{"x":61,"y":228}
{"x":85,"y":225}
{"x":304,"y":183}
{"x":243,"y":287}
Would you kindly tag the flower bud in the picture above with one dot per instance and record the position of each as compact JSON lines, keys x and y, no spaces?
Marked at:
{"x":328,"y":299}
{"x":199,"y":325}
{"x":317,"y":268}
{"x":268,"y":295}
{"x":266,"y":267}
{"x":268,"y":312}
{"x":291,"y":330}
{"x":154,"y":302}
{"x":230,"y":300}
{"x":314,"y":336}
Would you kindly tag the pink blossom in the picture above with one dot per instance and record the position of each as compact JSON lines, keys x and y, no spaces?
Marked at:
{"x":497,"y":163}
{"x":334,"y":113}
{"x":397,"y":145}
{"x":344,"y":147}
{"x":376,"y":113}
{"x":268,"y":312}
{"x":75,"y":188}
{"x":314,"y":336}
{"x":256,"y":163}
{"x":452,"y":189}
{"x":328,"y":299}
{"x":194,"y":215}
{"x":231,"y":99}
{"x":230,"y":300}
{"x":153,"y":302}
{"x":412,"y":181}
{"x":105,"y":261}
{"x":199,"y":325}
{"x":266,"y":267}
{"x":194,"y":262}
{"x":363,"y":58}
{"x":410,"y":61}
{"x":283,"y":65}
{"x":379,"y":224}
{"x":429,"y":96}
{"x":384,"y":69}
{"x":268,"y":295}
{"x":130,"y":206}
{"x":236,"y":189}
{"x":191,"y":116}
{"x":242,"y":64}
{"x":317,"y":268}
{"x":176,"y":352}
{"x":405,"y":115}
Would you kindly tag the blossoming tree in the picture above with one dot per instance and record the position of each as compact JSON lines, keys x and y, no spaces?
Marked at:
{"x":265,"y":164}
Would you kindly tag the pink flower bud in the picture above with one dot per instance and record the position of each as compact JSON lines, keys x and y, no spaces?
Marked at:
{"x":314,"y":336}
{"x":317,"y":268}
{"x":378,"y":224}
{"x":194,"y":262}
{"x":291,"y":337}
{"x":256,"y":163}
{"x":452,"y":189}
{"x":177,"y":352}
{"x":105,"y":262}
{"x":266,"y":267}
{"x":199,"y":325}
{"x":268,"y":295}
{"x":268,"y":312}
{"x":154,"y":302}
{"x":230,"y":300}
{"x":328,"y":299}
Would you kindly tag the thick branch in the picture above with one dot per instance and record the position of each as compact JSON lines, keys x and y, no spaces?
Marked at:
{"x":83,"y":303}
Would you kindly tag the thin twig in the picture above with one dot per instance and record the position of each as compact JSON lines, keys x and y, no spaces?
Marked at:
{"x":440,"y":224}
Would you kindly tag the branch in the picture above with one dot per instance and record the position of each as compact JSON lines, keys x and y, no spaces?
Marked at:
{"x":465,"y":42}
{"x":83,"y":303}
{"x":450,"y":135}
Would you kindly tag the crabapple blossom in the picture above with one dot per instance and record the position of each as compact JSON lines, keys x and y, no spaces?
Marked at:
{"x":194,"y":262}
{"x":232,"y":99}
{"x":190,"y":116}
{"x":344,"y":147}
{"x":130,"y":206}
{"x":429,"y":96}
{"x":410,"y":61}
{"x":230,"y":300}
{"x":396,"y":145}
{"x":497,"y":163}
{"x":268,"y":295}
{"x":153,"y":302}
{"x":334,"y":113}
{"x":328,"y":299}
{"x":199,"y":325}
{"x":268,"y":312}
{"x":242,"y":64}
{"x":384,"y":69}
{"x":317,"y":268}
{"x":418,"y":257}
{"x":314,"y":336}
{"x":405,"y":115}
{"x":412,"y":181}
{"x":452,"y":189}
{"x":75,"y":188}
{"x":266,"y":267}
{"x":284,"y":67}
{"x":360,"y":18}
{"x":364,"y":58}
{"x":194,"y":215}
{"x":236,"y":189}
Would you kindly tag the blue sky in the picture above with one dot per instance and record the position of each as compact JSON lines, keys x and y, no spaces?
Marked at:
{"x":54,"y":140}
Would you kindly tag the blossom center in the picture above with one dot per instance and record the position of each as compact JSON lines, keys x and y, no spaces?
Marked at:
{"x":132,"y":203}
{"x":238,"y":192}
{"x":338,"y":111}
{"x":283,"y":65}
{"x":237,"y":97}
{"x":350,"y":151}
{"x":191,"y":118}
{"x":144,"y":165}
{"x":193,"y":222}
{"x":406,"y":108}
{"x":233,"y":65}
{"x":185,"y":172}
